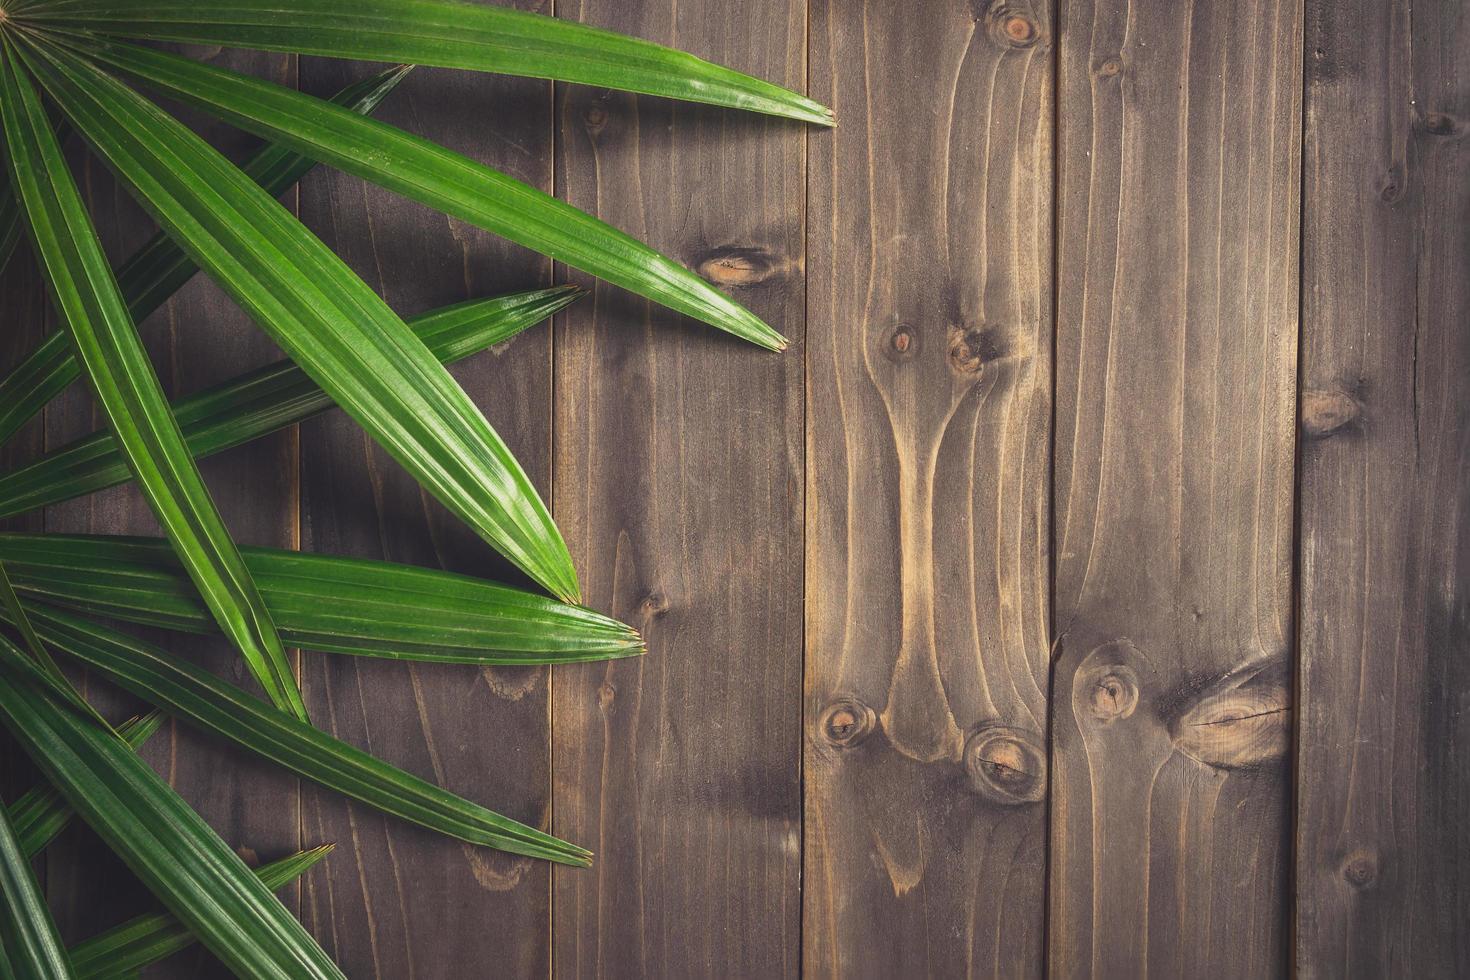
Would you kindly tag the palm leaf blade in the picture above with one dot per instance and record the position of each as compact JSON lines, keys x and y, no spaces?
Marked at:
{"x":450,"y":34}
{"x":206,"y":702}
{"x":328,"y":321}
{"x":128,"y":391}
{"x":127,"y":948}
{"x":40,"y":813}
{"x":322,"y":602}
{"x":165,"y":843}
{"x":27,"y":933}
{"x":265,"y":400}
{"x":444,"y":180}
{"x":158,"y":269}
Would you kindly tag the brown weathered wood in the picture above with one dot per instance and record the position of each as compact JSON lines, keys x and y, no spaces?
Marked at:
{"x":396,"y":900}
{"x":1179,"y":130}
{"x":198,"y":339}
{"x":1383,"y":835}
{"x":928,"y":416}
{"x":678,"y":486}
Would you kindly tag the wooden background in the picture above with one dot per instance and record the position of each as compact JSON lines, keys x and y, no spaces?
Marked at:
{"x":1086,"y":591}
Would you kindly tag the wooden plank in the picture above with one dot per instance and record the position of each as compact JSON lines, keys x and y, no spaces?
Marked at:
{"x":1383,"y":833}
{"x":1176,"y":362}
{"x":198,"y":339}
{"x":678,"y":485}
{"x":928,"y":420}
{"x":396,"y":900}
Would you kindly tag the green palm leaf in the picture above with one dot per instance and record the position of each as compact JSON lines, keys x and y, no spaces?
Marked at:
{"x":123,"y":950}
{"x":41,"y":813}
{"x":158,"y":269}
{"x":27,"y":934}
{"x":433,"y":32}
{"x":322,"y":602}
{"x":262,"y":401}
{"x":17,"y":616}
{"x":203,"y":700}
{"x":340,"y":332}
{"x":165,"y":843}
{"x":444,"y":180}
{"x":128,"y":391}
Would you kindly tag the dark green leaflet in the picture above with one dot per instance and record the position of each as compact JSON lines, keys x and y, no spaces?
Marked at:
{"x":126,"y":388}
{"x":442,"y":179}
{"x":158,"y":269}
{"x":204,"y":701}
{"x":125,"y":949}
{"x":330,"y":323}
{"x":27,"y":934}
{"x":17,"y":615}
{"x":434,"y":32}
{"x":262,"y":401}
{"x":9,"y":227}
{"x":41,"y":813}
{"x":165,"y":843}
{"x":322,"y":602}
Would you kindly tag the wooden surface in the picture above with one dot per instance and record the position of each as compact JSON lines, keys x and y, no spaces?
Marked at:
{"x":1174,"y":452}
{"x":929,"y":389}
{"x":1383,"y":834}
{"x":1086,"y":591}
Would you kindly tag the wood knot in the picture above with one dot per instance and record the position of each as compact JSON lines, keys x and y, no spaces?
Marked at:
{"x":1360,"y":869}
{"x":1244,"y":721}
{"x":594,"y":117}
{"x":1011,"y":27}
{"x":1324,"y":411}
{"x":1006,"y":765}
{"x":970,"y":350}
{"x":606,"y":694}
{"x":741,"y":265}
{"x":1439,"y":124}
{"x":1110,"y":68}
{"x":1391,"y":187}
{"x":846,"y":722}
{"x":1110,"y":691}
{"x":653,"y":605}
{"x":901,"y":344}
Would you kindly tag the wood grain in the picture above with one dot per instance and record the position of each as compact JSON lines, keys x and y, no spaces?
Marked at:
{"x":396,"y":900}
{"x":929,"y":402}
{"x":1383,"y":834}
{"x":678,"y":486}
{"x":197,"y":339}
{"x":1176,"y":364}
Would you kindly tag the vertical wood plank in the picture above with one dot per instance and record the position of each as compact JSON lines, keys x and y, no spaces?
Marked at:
{"x":1383,"y":834}
{"x":929,"y":402}
{"x":396,"y":900}
{"x":1176,"y":361}
{"x":679,"y":487}
{"x":197,"y":339}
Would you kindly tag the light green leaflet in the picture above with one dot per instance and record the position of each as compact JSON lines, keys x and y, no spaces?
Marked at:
{"x":322,"y":602}
{"x":330,"y":323}
{"x":158,"y":269}
{"x":126,"y":388}
{"x":164,"y":842}
{"x":448,"y":34}
{"x":444,"y":180}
